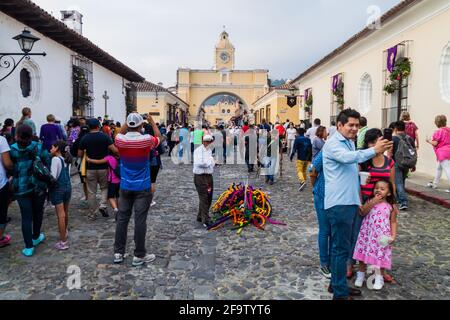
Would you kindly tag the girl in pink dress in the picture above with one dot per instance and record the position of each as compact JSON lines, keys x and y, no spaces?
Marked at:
{"x":378,"y":233}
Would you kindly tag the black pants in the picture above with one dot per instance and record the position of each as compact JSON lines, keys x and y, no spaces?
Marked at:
{"x":172,"y":145}
{"x":140,"y":201}
{"x":32,"y":211}
{"x":4,"y":202}
{"x":205,"y":187}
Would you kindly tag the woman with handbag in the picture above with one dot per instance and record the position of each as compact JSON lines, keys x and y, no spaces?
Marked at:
{"x":29,"y":191}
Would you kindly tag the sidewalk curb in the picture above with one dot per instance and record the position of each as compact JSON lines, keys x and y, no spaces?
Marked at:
{"x":436,"y":200}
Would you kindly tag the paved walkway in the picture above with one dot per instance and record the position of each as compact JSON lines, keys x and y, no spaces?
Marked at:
{"x":417,"y":186}
{"x":280,"y":263}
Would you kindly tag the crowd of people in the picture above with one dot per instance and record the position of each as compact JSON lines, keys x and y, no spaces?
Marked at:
{"x":357,"y":173}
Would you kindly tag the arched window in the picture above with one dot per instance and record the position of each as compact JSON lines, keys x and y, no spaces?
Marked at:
{"x":444,"y":82}
{"x":25,"y":82}
{"x":365,"y":93}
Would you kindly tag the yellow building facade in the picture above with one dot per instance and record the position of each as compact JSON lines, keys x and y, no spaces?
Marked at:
{"x":164,"y":106}
{"x":196,"y":87}
{"x":221,"y":112}
{"x":273,"y":107}
{"x":419,"y":30}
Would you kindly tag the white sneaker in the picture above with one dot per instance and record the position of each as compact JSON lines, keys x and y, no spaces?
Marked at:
{"x":137,"y":262}
{"x":379,"y":283}
{"x":118,"y":258}
{"x":360,"y":279}
{"x":153,"y":204}
{"x":432,"y":185}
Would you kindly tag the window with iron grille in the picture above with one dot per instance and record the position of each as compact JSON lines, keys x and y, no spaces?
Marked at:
{"x":131,"y":98}
{"x":397,"y":102}
{"x":83,"y":86}
{"x":337,"y":96}
{"x":308,"y":104}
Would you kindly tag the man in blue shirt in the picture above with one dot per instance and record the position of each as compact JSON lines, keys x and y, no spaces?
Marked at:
{"x":342,"y":194}
{"x":303,"y":149}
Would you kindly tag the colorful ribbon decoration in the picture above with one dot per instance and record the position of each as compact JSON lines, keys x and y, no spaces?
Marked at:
{"x":244,"y":205}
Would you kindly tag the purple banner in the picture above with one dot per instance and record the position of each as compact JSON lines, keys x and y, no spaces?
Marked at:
{"x":177,"y":118}
{"x":306,"y":95}
{"x":391,"y":57}
{"x":335,"y":82}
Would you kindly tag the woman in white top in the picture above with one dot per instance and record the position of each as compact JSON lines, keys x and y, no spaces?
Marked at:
{"x":291,"y":135}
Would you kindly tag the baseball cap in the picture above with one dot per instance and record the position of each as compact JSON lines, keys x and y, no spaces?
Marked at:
{"x":93,"y":123}
{"x":134,"y":120}
{"x":208,"y":138}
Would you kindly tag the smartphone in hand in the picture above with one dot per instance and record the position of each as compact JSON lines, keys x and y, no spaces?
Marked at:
{"x":387,"y":135}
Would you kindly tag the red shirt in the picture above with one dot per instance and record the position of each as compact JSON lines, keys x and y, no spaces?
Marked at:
{"x":377,"y":174}
{"x":245,"y":128}
{"x":281,"y":130}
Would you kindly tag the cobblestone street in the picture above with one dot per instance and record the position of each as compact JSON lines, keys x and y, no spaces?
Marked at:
{"x":280,"y":263}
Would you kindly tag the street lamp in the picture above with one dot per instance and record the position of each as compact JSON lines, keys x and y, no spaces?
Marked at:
{"x":26,"y":42}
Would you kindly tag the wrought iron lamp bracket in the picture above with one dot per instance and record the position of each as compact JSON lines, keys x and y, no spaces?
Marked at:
{"x":7,"y":61}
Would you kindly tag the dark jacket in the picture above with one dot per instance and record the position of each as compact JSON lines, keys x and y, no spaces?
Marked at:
{"x":303,"y":148}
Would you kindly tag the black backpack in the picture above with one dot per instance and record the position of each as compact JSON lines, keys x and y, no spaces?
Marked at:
{"x":406,"y":155}
{"x":40,"y":171}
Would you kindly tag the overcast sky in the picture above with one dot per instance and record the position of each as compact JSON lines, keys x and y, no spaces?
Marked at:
{"x":156,"y":37}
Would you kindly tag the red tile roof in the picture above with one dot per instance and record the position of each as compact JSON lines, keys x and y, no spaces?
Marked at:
{"x":286,"y":86}
{"x":388,"y":16}
{"x":148,"y":86}
{"x":28,"y":13}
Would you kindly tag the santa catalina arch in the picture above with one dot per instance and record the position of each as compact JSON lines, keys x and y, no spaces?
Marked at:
{"x":197,"y":87}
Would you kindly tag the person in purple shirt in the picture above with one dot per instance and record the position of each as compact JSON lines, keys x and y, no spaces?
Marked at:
{"x":50,"y":133}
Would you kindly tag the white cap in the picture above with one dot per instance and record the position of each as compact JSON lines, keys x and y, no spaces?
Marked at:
{"x":208,"y":138}
{"x":134,"y":120}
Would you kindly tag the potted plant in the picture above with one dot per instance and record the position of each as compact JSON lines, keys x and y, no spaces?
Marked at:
{"x":402,"y":70}
{"x":339,"y":94}
{"x":308,"y":103}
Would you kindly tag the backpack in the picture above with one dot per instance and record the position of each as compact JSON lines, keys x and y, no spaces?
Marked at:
{"x":406,"y":155}
{"x":411,"y":130}
{"x":116,"y":171}
{"x":40,"y":171}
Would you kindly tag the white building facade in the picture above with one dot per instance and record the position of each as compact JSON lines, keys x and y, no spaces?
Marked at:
{"x":418,"y":30}
{"x":46,"y":84}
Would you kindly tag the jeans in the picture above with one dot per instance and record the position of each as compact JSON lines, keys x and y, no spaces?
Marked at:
{"x":324,"y":231}
{"x":95,"y":178}
{"x":400,"y":180}
{"x":341,"y":219}
{"x":32,"y":211}
{"x":205,"y":188}
{"x":357,"y":223}
{"x":139,"y":201}
{"x":290,"y":146}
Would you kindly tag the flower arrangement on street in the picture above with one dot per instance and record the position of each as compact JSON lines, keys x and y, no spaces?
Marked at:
{"x":244,"y":205}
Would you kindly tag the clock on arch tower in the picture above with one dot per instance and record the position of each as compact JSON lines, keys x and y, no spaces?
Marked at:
{"x":224,"y":53}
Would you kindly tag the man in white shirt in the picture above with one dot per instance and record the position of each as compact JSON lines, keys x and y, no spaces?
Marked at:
{"x":203,"y":178}
{"x":311,"y":133}
{"x":333,"y":129}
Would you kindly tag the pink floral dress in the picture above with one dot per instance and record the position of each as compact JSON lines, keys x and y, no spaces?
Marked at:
{"x":375,"y":225}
